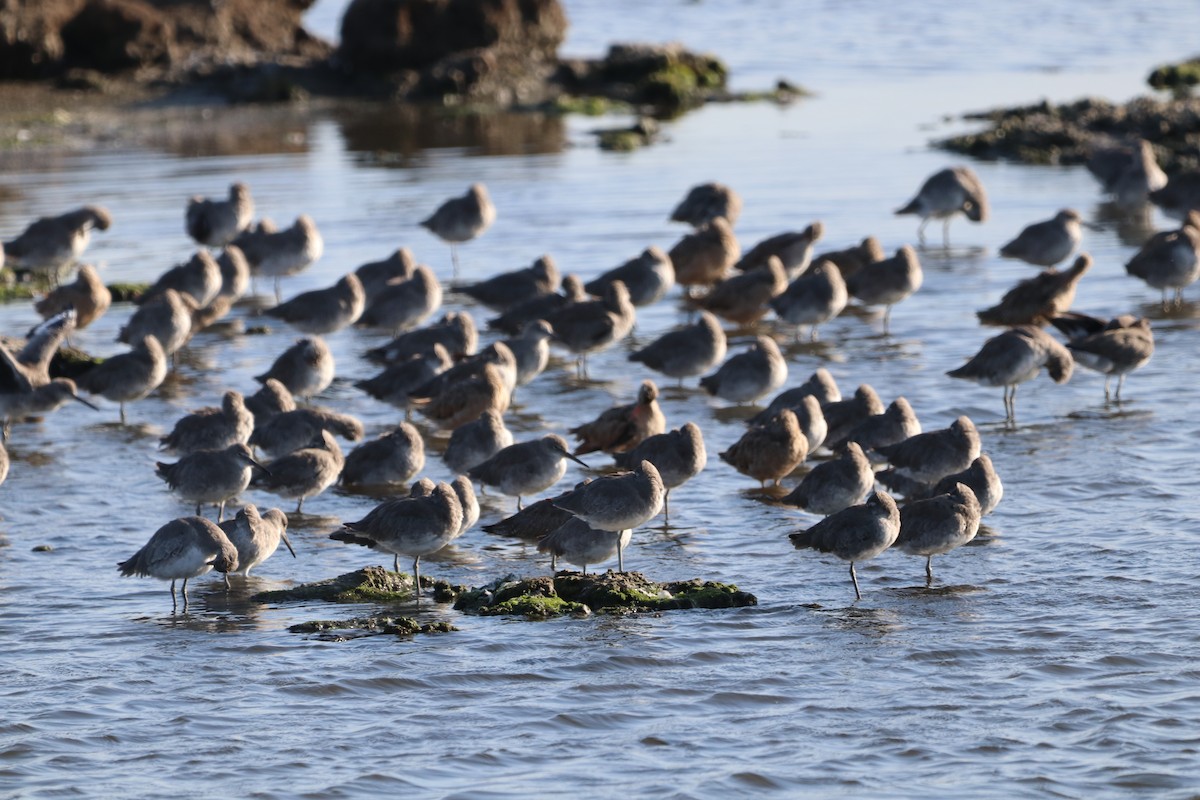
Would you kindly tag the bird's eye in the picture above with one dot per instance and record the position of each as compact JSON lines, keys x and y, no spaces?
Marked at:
{"x":968,"y":205}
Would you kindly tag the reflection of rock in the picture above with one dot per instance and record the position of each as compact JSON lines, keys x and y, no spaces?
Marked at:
{"x":395,"y":133}
{"x":341,"y":630}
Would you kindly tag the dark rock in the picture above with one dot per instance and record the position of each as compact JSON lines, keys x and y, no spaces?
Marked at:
{"x":359,"y":627}
{"x":1179,"y":78}
{"x":115,"y":35}
{"x":664,"y":77}
{"x":367,"y":585}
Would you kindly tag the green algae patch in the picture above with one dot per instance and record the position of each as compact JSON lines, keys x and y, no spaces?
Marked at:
{"x":367,"y":585}
{"x":1178,"y":78}
{"x":127,"y":292}
{"x":359,"y":627}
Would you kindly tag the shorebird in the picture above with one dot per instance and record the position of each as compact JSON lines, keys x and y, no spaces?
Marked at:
{"x":981,"y":478}
{"x":928,"y":457}
{"x":1170,"y":260}
{"x":210,"y":477}
{"x":514,"y":320}
{"x":497,"y":354}
{"x":199,"y":278}
{"x":394,"y":385}
{"x":461,"y":219}
{"x":618,"y":503}
{"x":465,"y":491}
{"x":703,"y":257}
{"x":817,"y":296}
{"x":794,"y":250}
{"x":324,"y":310}
{"x":808,"y":413}
{"x":392,"y":458}
{"x":235,"y":273}
{"x":305,"y":369}
{"x":1128,"y":174}
{"x":1013,"y":357}
{"x":678,"y":455}
{"x":526,"y":468}
{"x":743,"y":298}
{"x":167,"y":317}
{"x":843,"y":416}
{"x":212,"y":428}
{"x":749,"y":375}
{"x":415,"y":526}
{"x":1035,"y":300}
{"x":1121,"y":347}
{"x":938,"y":525}
{"x":535,"y":520}
{"x":474,"y":443}
{"x":1046,"y":243}
{"x":52,"y":244}
{"x":706,"y":202}
{"x":185,"y":548}
{"x":685,"y":352}
{"x":256,"y":537}
{"x":856,"y":533}
{"x":404,"y":303}
{"x":1180,"y":195}
{"x":593,"y":325}
{"x":531,"y":349}
{"x":375,"y":275}
{"x":820,"y":385}
{"x":834,"y":485}
{"x":887,"y":282}
{"x":578,"y":543}
{"x":897,"y":423}
{"x":272,"y":398}
{"x":26,"y":388}
{"x":852,"y":259}
{"x":87,"y":295}
{"x":946,"y":193}
{"x":648,"y":277}
{"x":456,"y":332}
{"x":279,"y":254}
{"x":289,"y":431}
{"x":216,"y":223}
{"x":769,"y":451}
{"x":463,"y":401}
{"x":304,"y":473}
{"x":623,"y":427}
{"x":130,"y":376}
{"x":502,"y":292}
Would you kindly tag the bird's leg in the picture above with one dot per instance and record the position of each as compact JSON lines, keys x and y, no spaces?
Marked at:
{"x":1120,"y":383}
{"x":921,"y":230}
{"x":278,"y":290}
{"x":417,"y":580}
{"x":812,"y":333}
{"x":396,"y":562}
{"x":221,"y":512}
{"x":454,"y":259}
{"x":1106,"y":396}
{"x":854,"y":579}
{"x":198,"y":510}
{"x":4,"y":429}
{"x":300,"y":505}
{"x":185,"y":597}
{"x":620,"y":554}
{"x":928,"y":570}
{"x":887,"y":319}
{"x":519,"y":506}
{"x":122,"y":407}
{"x":553,"y":563}
{"x":227,"y":587}
{"x":666,"y":506}
{"x":946,"y":233}
{"x":174,"y":604}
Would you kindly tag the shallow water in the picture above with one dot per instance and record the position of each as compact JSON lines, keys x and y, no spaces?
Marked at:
{"x":1055,"y":656}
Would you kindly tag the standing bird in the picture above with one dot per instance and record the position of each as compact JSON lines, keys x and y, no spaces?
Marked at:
{"x":456,"y":332}
{"x":210,"y":477}
{"x":834,"y":485}
{"x":52,"y":244}
{"x":187,"y":547}
{"x":744,"y":298}
{"x":216,"y":223}
{"x":1120,"y":348}
{"x":817,"y":296}
{"x":235,"y":274}
{"x":87,"y":295}
{"x":843,"y":416}
{"x":981,"y":478}
{"x":289,"y":431}
{"x":938,"y":525}
{"x":648,"y":277}
{"x":946,"y":193}
{"x":199,"y":277}
{"x":390,"y":459}
{"x":678,"y":455}
{"x":256,"y":537}
{"x":167,"y":317}
{"x":1180,"y":195}
{"x":465,"y":491}
{"x":324,"y":310}
{"x":507,"y":289}
{"x":212,"y":428}
{"x":272,"y":398}
{"x":682,"y":353}
{"x":461,"y":219}
{"x":793,"y":249}
{"x":531,"y":349}
{"x":283,"y":253}
{"x":810,"y":416}
{"x":770,"y":451}
{"x":1014,"y":357}
{"x":1034,"y":301}
{"x":526,"y":468}
{"x":887,"y":282}
{"x":464,"y":401}
{"x":375,"y":275}
{"x":704,"y":257}
{"x":25,"y":384}
{"x":706,"y":202}
{"x":305,"y":369}
{"x":593,"y":325}
{"x":897,"y":423}
{"x":474,"y":443}
{"x":618,"y":503}
{"x":127,"y":377}
{"x":622,"y":428}
{"x":404,"y":303}
{"x":749,"y":375}
{"x":535,"y":520}
{"x":1170,"y":260}
{"x":514,"y":320}
{"x":926,"y":458}
{"x":1044,"y":244}
{"x":1128,"y":174}
{"x":856,"y":533}
{"x":852,"y":259}
{"x":396,"y":383}
{"x":820,"y":385}
{"x":304,"y":473}
{"x":577,"y":542}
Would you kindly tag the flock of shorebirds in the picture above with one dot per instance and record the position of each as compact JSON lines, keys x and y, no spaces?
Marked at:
{"x":276,"y":440}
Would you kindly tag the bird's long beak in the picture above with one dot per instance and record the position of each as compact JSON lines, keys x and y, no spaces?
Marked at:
{"x":264,"y":469}
{"x":289,"y":544}
{"x":87,"y":403}
{"x":577,"y":461}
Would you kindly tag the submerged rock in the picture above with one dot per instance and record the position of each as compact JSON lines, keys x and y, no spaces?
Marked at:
{"x":367,"y":585}
{"x":359,"y":627}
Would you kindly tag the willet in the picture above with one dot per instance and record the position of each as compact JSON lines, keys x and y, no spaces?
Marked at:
{"x":852,"y":259}
{"x":210,"y":477}
{"x":410,"y":526}
{"x":703,"y":257}
{"x":820,"y":385}
{"x":130,"y":376}
{"x":87,"y":295}
{"x":216,"y":223}
{"x":648,"y":277}
{"x":535,"y":520}
{"x":199,"y":277}
{"x":678,"y":455}
{"x":514,"y":320}
{"x":594,"y":325}
{"x":168,"y":318}
{"x":465,"y":492}
{"x":981,"y":478}
{"x":743,"y":298}
{"x":856,"y":533}
{"x":748,"y":375}
{"x":706,"y":202}
{"x":18,"y":400}
{"x":1128,"y":174}
{"x":305,"y":369}
{"x":1035,"y":300}
{"x":1180,"y":195}
{"x":502,"y":292}
{"x":461,"y":219}
{"x":887,"y":282}
{"x":375,"y":275}
{"x":51,"y":244}
{"x":623,"y":427}
{"x":256,"y":537}
{"x":688,"y":351}
{"x":834,"y":485}
{"x":531,"y":349}
{"x":1117,"y":350}
{"x":289,"y":431}
{"x":283,"y":253}
{"x":946,"y":193}
{"x":578,"y":543}
{"x":794,"y":250}
{"x":271,"y":399}
{"x":235,"y":273}
{"x":392,"y":458}
{"x":456,"y":332}
{"x":938,"y":525}
{"x":323,"y":310}
{"x":474,"y":443}
{"x":1046,"y":243}
{"x":526,"y":468}
{"x":212,"y":428}
{"x":1170,"y":260}
{"x":404,"y":303}
{"x":928,"y":457}
{"x":618,"y":503}
{"x":187,"y":547}
{"x":465,"y":400}
{"x":304,"y":473}
{"x":843,"y":416}
{"x":897,"y":423}
{"x":394,"y":384}
{"x":1014,"y":357}
{"x":497,"y":354}
{"x":816,"y":297}
{"x":769,"y":452}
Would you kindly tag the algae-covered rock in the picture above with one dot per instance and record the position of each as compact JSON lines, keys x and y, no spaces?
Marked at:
{"x":358,"y":627}
{"x":367,"y":585}
{"x":127,"y":292}
{"x":1179,"y":78}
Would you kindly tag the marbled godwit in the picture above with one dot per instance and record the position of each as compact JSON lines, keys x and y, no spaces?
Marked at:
{"x":887,"y":282}
{"x":256,"y":536}
{"x":87,"y":294}
{"x":820,"y":385}
{"x":946,"y":193}
{"x":305,"y":369}
{"x":304,"y":473}
{"x":1170,"y":260}
{"x":1014,"y":357}
{"x":461,"y":219}
{"x":514,"y":320}
{"x":324,"y":310}
{"x":938,"y":525}
{"x":794,"y":250}
{"x":678,"y":455}
{"x":216,"y":223}
{"x":1046,"y":243}
{"x":199,"y":277}
{"x":743,"y":299}
{"x":703,"y":257}
{"x":856,"y":533}
{"x":834,"y":485}
{"x":691,"y":350}
{"x":706,"y":202}
{"x":817,"y":296}
{"x":212,"y":428}
{"x":404,"y":303}
{"x":769,"y":452}
{"x":474,"y":443}
{"x":210,"y":477}
{"x":130,"y":376}
{"x":1035,"y":300}
{"x":456,"y":332}
{"x":928,"y":457}
{"x":187,"y":547}
{"x":526,"y":468}
{"x":51,"y":244}
{"x":648,"y":277}
{"x":502,"y":292}
{"x":618,"y":503}
{"x":392,"y":458}
{"x":623,"y":427}
{"x":594,"y":325}
{"x":748,"y":375}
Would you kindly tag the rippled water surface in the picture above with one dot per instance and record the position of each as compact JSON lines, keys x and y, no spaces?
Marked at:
{"x":1056,"y":656}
